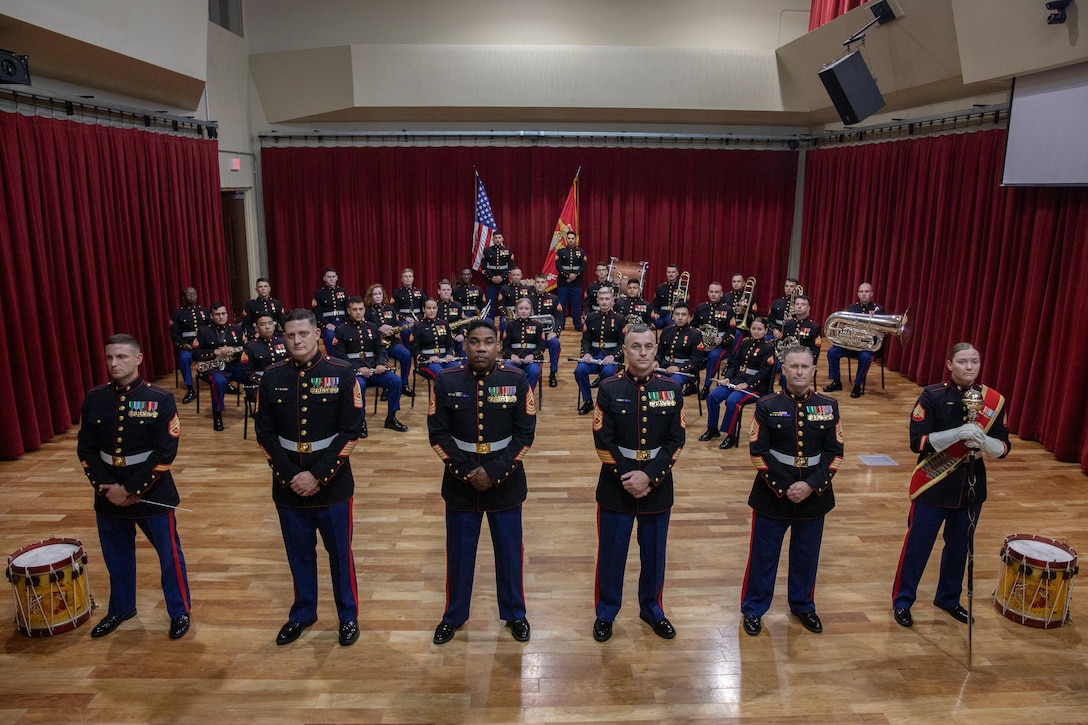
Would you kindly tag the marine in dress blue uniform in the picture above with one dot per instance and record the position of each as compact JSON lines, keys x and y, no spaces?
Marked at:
{"x":481,"y":421}
{"x":470,"y":296}
{"x":602,"y":347}
{"x":523,"y":343}
{"x":128,"y":438}
{"x":263,"y":303}
{"x":796,"y":444}
{"x":680,"y":350}
{"x":570,"y":264}
{"x":330,"y":306}
{"x":261,"y":353}
{"x":665,"y":296}
{"x":631,"y":305}
{"x":716,"y":313}
{"x":452,"y":312}
{"x":384,"y":317}
{"x":744,"y":382}
{"x":638,"y":431}
{"x":408,"y":302}
{"x":219,"y":346}
{"x":835,"y":354}
{"x":309,"y":409}
{"x":545,"y":303}
{"x":951,"y":446}
{"x":431,"y":343}
{"x":360,"y":343}
{"x":184,"y":323}
{"x":602,"y":280}
{"x":496,"y":263}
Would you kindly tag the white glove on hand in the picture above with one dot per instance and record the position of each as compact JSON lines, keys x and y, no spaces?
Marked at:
{"x":941,"y":439}
{"x":993,"y":447}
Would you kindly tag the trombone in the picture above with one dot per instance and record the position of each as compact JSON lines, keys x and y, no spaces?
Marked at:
{"x":680,"y":294}
{"x":743,"y":307}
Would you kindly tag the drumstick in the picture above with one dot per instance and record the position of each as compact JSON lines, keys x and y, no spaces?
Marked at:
{"x":167,"y":506}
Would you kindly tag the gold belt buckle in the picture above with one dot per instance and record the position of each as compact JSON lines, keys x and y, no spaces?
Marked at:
{"x":119,"y":461}
{"x":483,"y":448}
{"x":801,"y":461}
{"x":642,"y":455}
{"x":305,"y":447}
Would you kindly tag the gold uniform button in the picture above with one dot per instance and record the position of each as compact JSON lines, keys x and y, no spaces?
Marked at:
{"x":304,"y":409}
{"x":642,"y":441}
{"x":480,"y":427}
{"x":303,"y":432}
{"x":303,"y":421}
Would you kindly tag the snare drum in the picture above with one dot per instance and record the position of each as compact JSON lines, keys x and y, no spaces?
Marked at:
{"x":1036,"y":584}
{"x":50,"y":587}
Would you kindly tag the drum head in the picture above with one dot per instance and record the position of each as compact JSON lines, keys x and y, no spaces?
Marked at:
{"x":45,"y":553}
{"x":1040,"y":550}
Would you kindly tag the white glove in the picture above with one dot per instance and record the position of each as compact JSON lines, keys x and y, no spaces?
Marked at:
{"x":969,"y":432}
{"x":993,"y":447}
{"x":941,"y":439}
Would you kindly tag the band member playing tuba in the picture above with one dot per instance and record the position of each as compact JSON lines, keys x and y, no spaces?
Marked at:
{"x":866,"y":306}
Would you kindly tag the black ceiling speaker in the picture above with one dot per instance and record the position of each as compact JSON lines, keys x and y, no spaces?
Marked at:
{"x":14,"y":68}
{"x":852,"y":88}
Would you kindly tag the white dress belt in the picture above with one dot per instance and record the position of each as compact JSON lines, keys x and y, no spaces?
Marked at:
{"x":642,"y":455}
{"x":306,"y":446}
{"x":122,"y":461}
{"x":483,"y":446}
{"x":798,"y":461}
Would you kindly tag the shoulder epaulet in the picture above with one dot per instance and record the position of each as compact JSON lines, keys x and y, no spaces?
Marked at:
{"x":339,"y":363}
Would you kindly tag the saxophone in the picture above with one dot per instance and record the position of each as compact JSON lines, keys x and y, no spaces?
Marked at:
{"x":219,"y":363}
{"x":782,"y":346}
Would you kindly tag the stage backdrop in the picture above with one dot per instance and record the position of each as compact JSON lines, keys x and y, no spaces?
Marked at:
{"x":371,"y":211}
{"x":100,"y":227}
{"x":928,"y":223}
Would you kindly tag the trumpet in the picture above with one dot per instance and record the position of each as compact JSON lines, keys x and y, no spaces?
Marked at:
{"x":744,"y":305}
{"x":680,"y":294}
{"x":859,"y":331}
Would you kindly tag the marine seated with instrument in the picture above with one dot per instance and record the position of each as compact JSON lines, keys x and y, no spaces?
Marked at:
{"x":217,"y":349}
{"x":451,"y":311}
{"x":360,"y":343}
{"x":634,"y":309}
{"x":680,"y":353}
{"x":384,"y":315}
{"x":602,"y":338}
{"x":717,"y":322}
{"x":666,"y":295}
{"x":744,"y":381}
{"x":431,"y":342}
{"x":548,"y":311}
{"x":523,"y":341}
{"x":799,"y":330}
{"x":864,"y":306}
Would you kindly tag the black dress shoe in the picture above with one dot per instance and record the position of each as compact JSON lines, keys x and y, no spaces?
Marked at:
{"x":902,"y":616}
{"x":810,"y":621}
{"x":407,"y":392}
{"x":363,"y":432}
{"x":349,"y":632}
{"x":110,"y":623}
{"x":957,"y":613}
{"x":833,"y":386}
{"x":519,"y":629}
{"x":752,"y":625}
{"x":662,"y":627}
{"x":856,"y":392}
{"x":596,"y":382}
{"x":394,"y":424}
{"x":190,"y":396}
{"x":217,"y":421}
{"x":552,"y":382}
{"x":443,"y":633}
{"x":179,"y":626}
{"x":586,"y":407}
{"x":728,"y":442}
{"x":602,"y":630}
{"x":292,"y":631}
{"x":710,"y":434}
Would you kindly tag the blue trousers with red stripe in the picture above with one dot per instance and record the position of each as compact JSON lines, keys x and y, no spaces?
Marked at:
{"x":836,"y":354}
{"x":713,"y":359}
{"x":387,"y":380}
{"x":613,"y":540}
{"x":404,"y":361}
{"x":300,"y":527}
{"x":118,"y":538}
{"x":764,"y":551}
{"x":553,"y":348}
{"x":582,"y":372}
{"x":570,"y":299}
{"x":462,"y":540}
{"x":734,"y":401}
{"x":923,"y":522}
{"x":185,"y":364}
{"x":218,"y":380}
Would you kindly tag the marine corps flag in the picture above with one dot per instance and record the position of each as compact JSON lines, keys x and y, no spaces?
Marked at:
{"x":568,"y":221}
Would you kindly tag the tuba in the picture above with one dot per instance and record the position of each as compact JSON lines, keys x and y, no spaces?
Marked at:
{"x":745,"y":304}
{"x":859,"y":331}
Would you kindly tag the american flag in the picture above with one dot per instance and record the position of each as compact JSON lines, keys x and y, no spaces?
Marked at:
{"x":484,"y":227}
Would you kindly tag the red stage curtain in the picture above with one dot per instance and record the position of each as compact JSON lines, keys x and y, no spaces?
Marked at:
{"x":928,"y":223}
{"x":369,"y":212}
{"x":99,"y":229}
{"x":826,"y":10}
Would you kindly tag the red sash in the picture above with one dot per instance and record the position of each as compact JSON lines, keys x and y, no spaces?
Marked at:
{"x":938,"y":465}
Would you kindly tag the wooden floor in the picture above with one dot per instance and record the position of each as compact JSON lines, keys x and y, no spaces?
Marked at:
{"x":863,"y":669}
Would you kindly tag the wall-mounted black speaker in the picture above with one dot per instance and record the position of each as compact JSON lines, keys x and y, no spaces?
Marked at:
{"x":852,"y":88}
{"x":14,"y":68}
